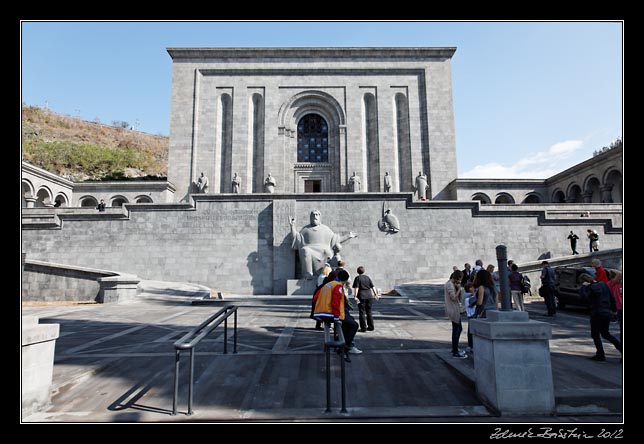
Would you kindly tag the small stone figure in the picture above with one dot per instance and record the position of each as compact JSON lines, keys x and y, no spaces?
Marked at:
{"x":316,"y":244}
{"x":202,"y":184}
{"x":236,"y":183}
{"x":421,"y":186}
{"x":270,"y":184}
{"x":389,"y":223}
{"x":354,"y":182}
{"x":387,"y":182}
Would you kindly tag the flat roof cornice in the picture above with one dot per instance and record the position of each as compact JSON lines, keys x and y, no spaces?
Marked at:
{"x":317,"y":52}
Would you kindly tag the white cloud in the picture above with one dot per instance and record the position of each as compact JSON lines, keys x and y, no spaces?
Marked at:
{"x":537,"y":165}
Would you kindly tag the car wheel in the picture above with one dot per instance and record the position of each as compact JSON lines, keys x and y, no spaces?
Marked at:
{"x":560,"y":305}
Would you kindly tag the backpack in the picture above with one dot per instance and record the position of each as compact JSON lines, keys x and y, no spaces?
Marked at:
{"x":526,"y":286}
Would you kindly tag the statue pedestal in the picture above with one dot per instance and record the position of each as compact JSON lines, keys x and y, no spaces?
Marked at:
{"x":301,"y":286}
{"x":512,"y":363}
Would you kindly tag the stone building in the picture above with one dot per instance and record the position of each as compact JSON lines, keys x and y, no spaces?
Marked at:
{"x":40,"y":188}
{"x":311,"y":117}
{"x":596,"y":180}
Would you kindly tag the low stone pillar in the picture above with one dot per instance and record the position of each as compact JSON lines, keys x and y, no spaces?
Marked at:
{"x":120,"y":288}
{"x":38,"y":344}
{"x":512,"y":363}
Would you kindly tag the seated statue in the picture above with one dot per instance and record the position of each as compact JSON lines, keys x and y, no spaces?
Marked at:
{"x":316,"y":244}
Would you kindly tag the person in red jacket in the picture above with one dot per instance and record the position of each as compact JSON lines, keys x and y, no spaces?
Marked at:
{"x":329,"y":301}
{"x":600,"y":272}
{"x":615,"y":285}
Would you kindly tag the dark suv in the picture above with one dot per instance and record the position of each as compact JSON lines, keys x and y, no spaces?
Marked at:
{"x":567,"y":285}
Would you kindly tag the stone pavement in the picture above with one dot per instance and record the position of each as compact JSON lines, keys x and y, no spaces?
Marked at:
{"x":116,"y":363}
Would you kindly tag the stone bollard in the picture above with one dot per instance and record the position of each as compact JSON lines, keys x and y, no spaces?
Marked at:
{"x":38,"y":344}
{"x":512,"y":363}
{"x":121,"y":288}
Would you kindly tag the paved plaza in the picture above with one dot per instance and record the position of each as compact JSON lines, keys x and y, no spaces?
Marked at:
{"x":115,"y":363}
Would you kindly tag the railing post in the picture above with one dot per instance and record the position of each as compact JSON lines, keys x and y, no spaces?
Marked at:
{"x":192,"y":378}
{"x":225,"y":335}
{"x":176,"y":381}
{"x":343,"y":385}
{"x":235,"y":338}
{"x":502,"y":259}
{"x":328,"y":378}
{"x":186,"y":342}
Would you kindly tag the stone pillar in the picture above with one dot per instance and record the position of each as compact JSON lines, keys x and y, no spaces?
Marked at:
{"x":121,"y":288}
{"x":512,"y":363}
{"x":587,"y":196}
{"x":38,"y":344}
{"x":31,"y":201}
{"x":607,"y":195}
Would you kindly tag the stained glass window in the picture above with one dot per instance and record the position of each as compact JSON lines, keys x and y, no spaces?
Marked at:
{"x":312,"y":139}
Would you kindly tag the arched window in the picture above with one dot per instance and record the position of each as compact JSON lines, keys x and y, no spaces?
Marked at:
{"x":532,"y":199}
{"x":312,"y":139}
{"x":558,"y":197}
{"x":118,"y":201}
{"x":481,"y":197}
{"x":504,"y":198}
{"x":61,"y":200}
{"x":143,"y":199}
{"x":88,"y":201}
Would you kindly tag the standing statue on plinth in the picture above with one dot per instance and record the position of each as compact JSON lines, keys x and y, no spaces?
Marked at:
{"x":421,"y":186}
{"x":387,"y":182}
{"x":202,"y":184}
{"x":270,"y":184}
{"x":236,"y":183}
{"x":354,"y":182}
{"x":316,"y":244}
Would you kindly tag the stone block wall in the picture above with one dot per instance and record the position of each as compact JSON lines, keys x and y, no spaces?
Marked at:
{"x":241,"y":244}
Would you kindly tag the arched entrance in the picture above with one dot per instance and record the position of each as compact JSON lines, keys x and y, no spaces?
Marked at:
{"x":312,"y":127}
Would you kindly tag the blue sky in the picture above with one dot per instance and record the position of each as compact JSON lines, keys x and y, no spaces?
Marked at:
{"x":530,"y":98}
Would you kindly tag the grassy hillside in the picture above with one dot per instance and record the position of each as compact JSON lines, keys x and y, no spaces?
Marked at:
{"x":80,"y":150}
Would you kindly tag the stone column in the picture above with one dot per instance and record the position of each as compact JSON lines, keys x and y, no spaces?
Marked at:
{"x":512,"y":363}
{"x":38,"y":344}
{"x":607,"y":195}
{"x":31,"y":202}
{"x":587,"y":196}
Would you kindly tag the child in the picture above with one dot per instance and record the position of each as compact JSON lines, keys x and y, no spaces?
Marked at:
{"x":470,"y":309}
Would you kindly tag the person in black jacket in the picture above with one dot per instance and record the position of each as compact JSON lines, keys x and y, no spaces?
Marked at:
{"x":602,"y":306}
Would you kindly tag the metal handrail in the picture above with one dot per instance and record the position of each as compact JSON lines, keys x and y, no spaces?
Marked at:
{"x":328,"y":345}
{"x":189,"y":341}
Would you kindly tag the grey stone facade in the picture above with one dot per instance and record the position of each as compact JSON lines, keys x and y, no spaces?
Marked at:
{"x":238,"y":110}
{"x":594,"y":181}
{"x":42,"y":189}
{"x":240,"y":244}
